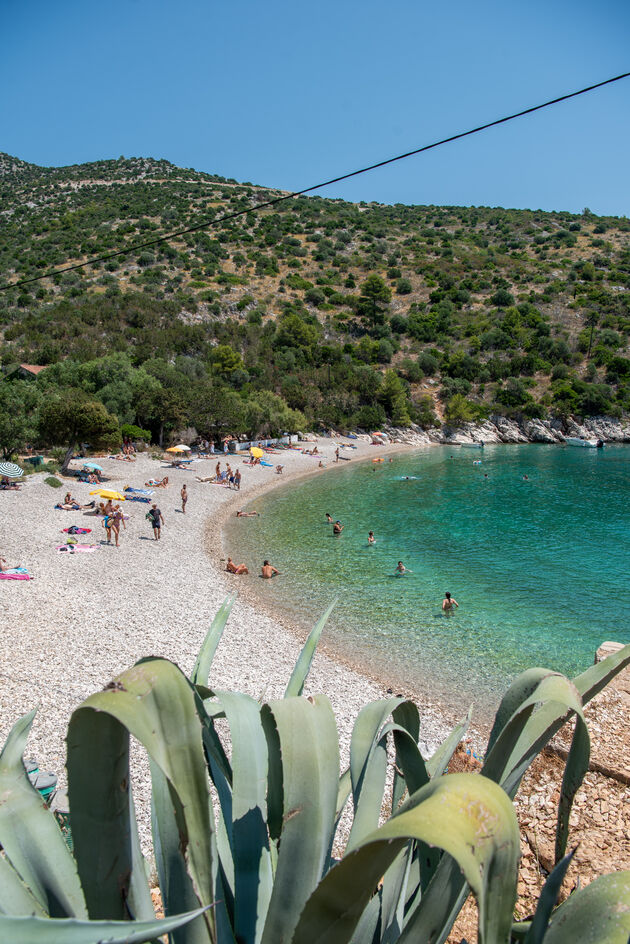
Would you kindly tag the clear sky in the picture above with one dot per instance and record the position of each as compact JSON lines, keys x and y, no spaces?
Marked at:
{"x":287,"y":94}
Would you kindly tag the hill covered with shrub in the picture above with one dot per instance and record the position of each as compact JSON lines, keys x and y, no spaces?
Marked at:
{"x":313,"y":311}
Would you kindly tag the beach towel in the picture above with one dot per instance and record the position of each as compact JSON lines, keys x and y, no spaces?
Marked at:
{"x":270,"y":464}
{"x":71,"y":548}
{"x":138,"y":491}
{"x":74,"y":530}
{"x":16,"y":573}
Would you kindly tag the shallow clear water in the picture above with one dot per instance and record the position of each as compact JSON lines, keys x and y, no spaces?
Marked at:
{"x":539,"y":567}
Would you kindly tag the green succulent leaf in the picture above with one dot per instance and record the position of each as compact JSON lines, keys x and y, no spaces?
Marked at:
{"x":32,"y":841}
{"x":305,"y":659}
{"x":34,"y":930}
{"x":597,"y":914}
{"x":201,"y":671}
{"x":309,"y":750}
{"x":469,"y":817}
{"x":154,"y":702}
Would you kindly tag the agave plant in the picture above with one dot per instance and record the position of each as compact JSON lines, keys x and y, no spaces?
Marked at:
{"x":246,"y":830}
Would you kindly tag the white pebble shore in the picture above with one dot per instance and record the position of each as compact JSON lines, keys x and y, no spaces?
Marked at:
{"x":87,"y":617}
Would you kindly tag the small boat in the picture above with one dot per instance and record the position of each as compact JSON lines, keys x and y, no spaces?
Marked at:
{"x":587,"y":443}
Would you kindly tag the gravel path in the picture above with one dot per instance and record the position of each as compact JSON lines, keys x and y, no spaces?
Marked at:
{"x":87,"y":617}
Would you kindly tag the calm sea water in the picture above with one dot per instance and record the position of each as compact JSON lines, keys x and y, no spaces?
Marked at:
{"x":538,"y":566}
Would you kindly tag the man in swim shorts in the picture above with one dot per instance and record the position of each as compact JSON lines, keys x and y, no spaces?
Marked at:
{"x":155,"y":517}
{"x":337,"y":527}
{"x":268,"y":571}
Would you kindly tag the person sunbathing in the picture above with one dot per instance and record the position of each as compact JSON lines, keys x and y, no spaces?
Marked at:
{"x":7,"y":485}
{"x":153,"y":483}
{"x":233,"y":568}
{"x":247,"y":514}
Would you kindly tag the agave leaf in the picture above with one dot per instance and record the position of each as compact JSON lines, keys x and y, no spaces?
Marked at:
{"x":595,"y":678}
{"x":30,"y":836}
{"x":33,"y":930}
{"x":574,"y":772}
{"x":433,"y":911}
{"x":140,"y":902}
{"x":15,"y":897}
{"x":247,"y":829}
{"x":597,"y":914}
{"x":176,"y":885}
{"x":309,"y":747}
{"x":368,"y":766}
{"x":393,"y":896}
{"x":547,"y":902}
{"x":201,"y":671}
{"x":468,"y":816}
{"x":519,"y":691}
{"x":154,"y":702}
{"x":439,"y":761}
{"x":305,"y":658}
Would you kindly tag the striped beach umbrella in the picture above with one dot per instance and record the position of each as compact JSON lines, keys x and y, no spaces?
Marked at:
{"x":10,"y":470}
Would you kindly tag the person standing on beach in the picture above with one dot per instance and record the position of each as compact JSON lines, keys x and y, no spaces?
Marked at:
{"x":449,"y":602}
{"x":184,"y":495}
{"x":217,"y":470}
{"x":268,"y":571}
{"x":155,"y":516}
{"x":337,"y":454}
{"x":237,"y":480}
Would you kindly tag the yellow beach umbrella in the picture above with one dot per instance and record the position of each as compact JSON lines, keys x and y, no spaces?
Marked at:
{"x":180,"y":448}
{"x":256,"y":452}
{"x":108,"y":493}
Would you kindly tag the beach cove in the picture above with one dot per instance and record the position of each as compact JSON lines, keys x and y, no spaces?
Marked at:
{"x":87,"y":617}
{"x":532,"y":540}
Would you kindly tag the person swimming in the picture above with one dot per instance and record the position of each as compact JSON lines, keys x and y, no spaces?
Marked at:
{"x":401,"y":569}
{"x":268,"y":570}
{"x":337,"y":527}
{"x":371,"y":538}
{"x":449,"y":602}
{"x":329,"y":518}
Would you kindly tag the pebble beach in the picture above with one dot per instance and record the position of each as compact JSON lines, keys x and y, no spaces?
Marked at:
{"x":86,"y":617}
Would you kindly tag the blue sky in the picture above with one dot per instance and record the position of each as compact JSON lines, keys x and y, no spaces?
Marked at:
{"x":287,"y":94}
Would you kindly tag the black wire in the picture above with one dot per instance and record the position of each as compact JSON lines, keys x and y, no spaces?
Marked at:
{"x":299,"y":193}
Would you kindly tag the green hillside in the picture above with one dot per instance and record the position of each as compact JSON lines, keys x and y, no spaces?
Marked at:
{"x":311,"y":312}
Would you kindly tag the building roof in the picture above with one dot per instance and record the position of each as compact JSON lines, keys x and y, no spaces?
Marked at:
{"x":33,"y":368}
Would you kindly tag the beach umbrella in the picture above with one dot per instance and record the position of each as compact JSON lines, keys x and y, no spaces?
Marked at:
{"x":256,"y":452}
{"x":10,"y":470}
{"x":180,"y":448}
{"x":92,"y":465}
{"x":108,"y":493}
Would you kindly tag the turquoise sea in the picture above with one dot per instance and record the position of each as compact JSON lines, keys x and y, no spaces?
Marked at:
{"x":538,"y":566}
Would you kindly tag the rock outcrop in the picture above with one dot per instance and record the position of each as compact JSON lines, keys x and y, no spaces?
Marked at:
{"x":500,"y":429}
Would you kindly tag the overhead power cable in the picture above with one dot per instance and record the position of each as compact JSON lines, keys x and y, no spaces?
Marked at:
{"x":298,"y":193}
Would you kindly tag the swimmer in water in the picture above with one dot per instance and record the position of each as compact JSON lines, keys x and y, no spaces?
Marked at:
{"x":337,"y":527}
{"x":401,"y":569}
{"x":268,"y":570}
{"x":329,"y":518}
{"x":371,"y":538}
{"x":449,"y":602}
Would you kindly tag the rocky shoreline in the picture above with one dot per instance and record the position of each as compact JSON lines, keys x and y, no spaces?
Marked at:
{"x":499,"y":429}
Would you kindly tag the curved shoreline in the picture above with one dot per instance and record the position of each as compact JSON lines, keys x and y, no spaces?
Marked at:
{"x":252,"y":594}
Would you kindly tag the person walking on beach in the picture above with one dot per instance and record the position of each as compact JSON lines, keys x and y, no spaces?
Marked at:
{"x":217,"y":470}
{"x":155,"y":516}
{"x":448,"y":603}
{"x":268,"y":571}
{"x":237,"y":480}
{"x":184,"y":495}
{"x":116,"y":519}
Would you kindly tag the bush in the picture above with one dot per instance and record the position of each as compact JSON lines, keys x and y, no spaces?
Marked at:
{"x":52,"y":481}
{"x":129,"y":431}
{"x":404,"y":287}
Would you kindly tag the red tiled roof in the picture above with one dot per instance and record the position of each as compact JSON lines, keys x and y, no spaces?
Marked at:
{"x":32,"y":368}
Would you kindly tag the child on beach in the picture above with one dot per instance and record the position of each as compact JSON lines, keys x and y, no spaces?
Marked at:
{"x":184,"y":495}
